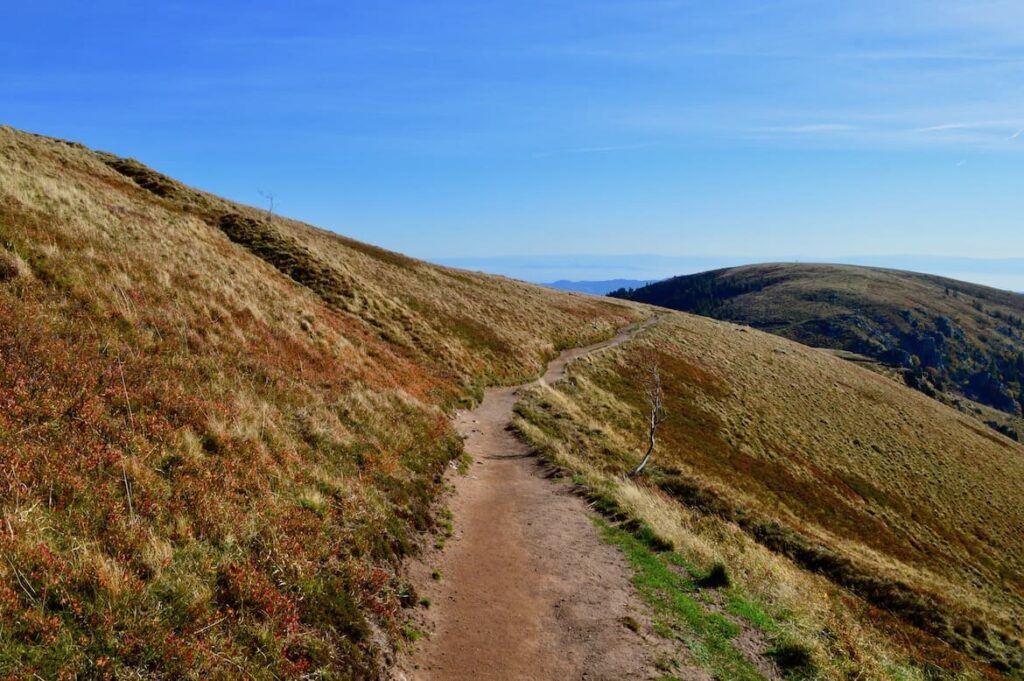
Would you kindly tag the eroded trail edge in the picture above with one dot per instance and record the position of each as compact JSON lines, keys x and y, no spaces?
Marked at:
{"x":525,"y":588}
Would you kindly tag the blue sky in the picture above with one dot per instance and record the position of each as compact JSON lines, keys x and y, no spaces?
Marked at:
{"x":482,"y":128}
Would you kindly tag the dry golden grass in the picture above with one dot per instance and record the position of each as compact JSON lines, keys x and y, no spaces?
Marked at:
{"x":841,"y":468}
{"x":215,"y":453}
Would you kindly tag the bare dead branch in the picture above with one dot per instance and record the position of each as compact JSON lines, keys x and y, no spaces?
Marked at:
{"x":656,"y":402}
{"x":131,"y":419}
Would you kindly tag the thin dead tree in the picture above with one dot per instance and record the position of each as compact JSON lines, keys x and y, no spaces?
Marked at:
{"x":651,"y":384}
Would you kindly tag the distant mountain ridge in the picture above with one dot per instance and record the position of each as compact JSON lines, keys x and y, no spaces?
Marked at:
{"x":946,"y":335}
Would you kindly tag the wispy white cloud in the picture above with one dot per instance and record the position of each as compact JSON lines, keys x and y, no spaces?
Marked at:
{"x":594,"y":150}
{"x":863,"y":128}
{"x":975,"y":125}
{"x":811,"y":128}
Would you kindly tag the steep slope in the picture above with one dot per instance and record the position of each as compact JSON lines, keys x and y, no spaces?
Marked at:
{"x":219,"y":432}
{"x":780,"y":460}
{"x":947,"y":336}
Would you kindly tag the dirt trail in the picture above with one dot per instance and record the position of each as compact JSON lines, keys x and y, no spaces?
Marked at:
{"x":528,"y":589}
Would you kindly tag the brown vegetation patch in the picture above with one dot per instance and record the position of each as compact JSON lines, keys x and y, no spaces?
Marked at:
{"x":287,"y":256}
{"x":148,"y":179}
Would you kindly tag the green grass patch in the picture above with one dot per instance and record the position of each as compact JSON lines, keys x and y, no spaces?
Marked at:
{"x":792,"y":656}
{"x":677,"y":614}
{"x":739,"y":604}
{"x":412,"y":634}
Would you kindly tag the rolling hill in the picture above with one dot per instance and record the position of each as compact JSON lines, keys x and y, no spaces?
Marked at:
{"x":223,"y":433}
{"x":950,"y":339}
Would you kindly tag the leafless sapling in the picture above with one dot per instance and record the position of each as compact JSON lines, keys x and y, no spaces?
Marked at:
{"x":655,"y":397}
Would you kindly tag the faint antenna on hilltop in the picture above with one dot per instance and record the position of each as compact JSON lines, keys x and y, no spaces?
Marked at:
{"x":269,"y":196}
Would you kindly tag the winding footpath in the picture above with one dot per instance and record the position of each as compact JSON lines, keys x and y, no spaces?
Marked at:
{"x":525,"y":588}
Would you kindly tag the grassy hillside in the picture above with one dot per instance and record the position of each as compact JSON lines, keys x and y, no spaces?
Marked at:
{"x":220,"y":434}
{"x":946,"y":336}
{"x":883,"y":527}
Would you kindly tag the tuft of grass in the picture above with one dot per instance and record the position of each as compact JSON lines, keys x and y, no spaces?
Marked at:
{"x":313,"y":500}
{"x":411,"y":634}
{"x":631,"y":623}
{"x":12,"y":267}
{"x":793,"y":659}
{"x":717,"y":577}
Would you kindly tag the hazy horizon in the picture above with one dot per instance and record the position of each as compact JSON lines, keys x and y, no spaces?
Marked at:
{"x":1003,"y":273}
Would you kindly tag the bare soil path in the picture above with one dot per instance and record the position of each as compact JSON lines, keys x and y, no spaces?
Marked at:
{"x":527,"y":588}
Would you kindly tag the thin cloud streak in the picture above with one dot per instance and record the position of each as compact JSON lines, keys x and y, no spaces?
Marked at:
{"x":811,"y":128}
{"x":594,"y":150}
{"x":884,"y":132}
{"x":978,"y":125}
